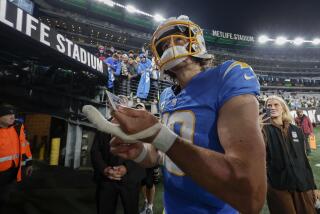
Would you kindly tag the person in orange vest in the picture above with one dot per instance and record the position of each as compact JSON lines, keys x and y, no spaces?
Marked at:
{"x":14,"y":152}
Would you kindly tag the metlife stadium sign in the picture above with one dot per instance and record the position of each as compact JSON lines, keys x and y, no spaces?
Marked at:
{"x":23,"y":22}
{"x":232,"y":36}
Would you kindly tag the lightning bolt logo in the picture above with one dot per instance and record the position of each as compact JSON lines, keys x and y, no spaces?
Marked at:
{"x":242,"y":66}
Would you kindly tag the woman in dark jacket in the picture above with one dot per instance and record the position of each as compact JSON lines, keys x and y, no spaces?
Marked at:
{"x":290,"y":178}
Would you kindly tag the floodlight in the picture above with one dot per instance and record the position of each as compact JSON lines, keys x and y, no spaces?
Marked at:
{"x":316,"y":41}
{"x":158,"y":18}
{"x":263,"y":39}
{"x":131,"y":9}
{"x":298,"y":41}
{"x":107,"y":2}
{"x":281,"y":40}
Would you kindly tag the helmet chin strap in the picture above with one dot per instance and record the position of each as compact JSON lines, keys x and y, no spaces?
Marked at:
{"x":171,"y":53}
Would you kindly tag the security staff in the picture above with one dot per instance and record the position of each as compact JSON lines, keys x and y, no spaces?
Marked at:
{"x":14,"y":152}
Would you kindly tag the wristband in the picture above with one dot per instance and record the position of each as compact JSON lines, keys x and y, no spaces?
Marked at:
{"x":142,"y":154}
{"x":165,"y":139}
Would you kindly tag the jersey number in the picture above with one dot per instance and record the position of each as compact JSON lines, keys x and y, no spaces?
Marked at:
{"x":183,"y":123}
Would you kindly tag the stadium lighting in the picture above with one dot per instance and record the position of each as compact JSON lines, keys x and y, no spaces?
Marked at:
{"x":107,"y":2}
{"x":298,"y":41}
{"x":316,"y":41}
{"x":131,"y":9}
{"x":281,"y":40}
{"x":158,"y":18}
{"x":263,"y":39}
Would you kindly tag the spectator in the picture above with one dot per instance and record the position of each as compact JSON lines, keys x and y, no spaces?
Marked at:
{"x":125,"y":75}
{"x":131,"y":54}
{"x":14,"y":153}
{"x":137,"y":60}
{"x":124,"y":64}
{"x":144,"y":69}
{"x":101,"y":52}
{"x":290,"y":178}
{"x":114,"y":177}
{"x":305,"y":124}
{"x":114,"y":69}
{"x":132,"y":68}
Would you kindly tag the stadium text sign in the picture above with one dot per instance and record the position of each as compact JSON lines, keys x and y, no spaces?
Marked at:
{"x":232,"y":36}
{"x":23,"y":22}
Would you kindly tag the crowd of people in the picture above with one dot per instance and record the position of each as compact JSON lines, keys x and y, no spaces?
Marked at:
{"x":293,"y":82}
{"x":130,"y":72}
{"x":210,"y":164}
{"x":125,"y":67}
{"x":296,"y":101}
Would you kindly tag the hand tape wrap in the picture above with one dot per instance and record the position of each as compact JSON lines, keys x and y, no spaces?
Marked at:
{"x":165,"y":139}
{"x":98,"y":120}
{"x":142,"y":154}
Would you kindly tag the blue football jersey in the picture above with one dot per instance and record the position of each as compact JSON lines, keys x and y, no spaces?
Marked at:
{"x":192,"y":114}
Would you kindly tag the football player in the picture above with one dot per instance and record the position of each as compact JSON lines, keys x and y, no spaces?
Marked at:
{"x":212,"y":149}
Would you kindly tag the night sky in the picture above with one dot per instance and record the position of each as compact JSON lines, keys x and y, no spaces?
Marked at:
{"x":250,"y":17}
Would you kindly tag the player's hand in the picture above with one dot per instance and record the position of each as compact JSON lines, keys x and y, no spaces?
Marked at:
{"x":133,"y":121}
{"x":125,"y":150}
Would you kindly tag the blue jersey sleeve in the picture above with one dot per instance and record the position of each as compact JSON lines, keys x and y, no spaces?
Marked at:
{"x":236,"y":78}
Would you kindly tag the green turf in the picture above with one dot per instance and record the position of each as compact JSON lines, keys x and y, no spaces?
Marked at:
{"x":314,"y":159}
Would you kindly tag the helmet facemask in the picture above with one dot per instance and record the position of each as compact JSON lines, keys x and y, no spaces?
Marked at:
{"x":174,"y":41}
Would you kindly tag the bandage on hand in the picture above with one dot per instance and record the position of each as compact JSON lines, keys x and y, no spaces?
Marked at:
{"x":164,"y":136}
{"x":102,"y":124}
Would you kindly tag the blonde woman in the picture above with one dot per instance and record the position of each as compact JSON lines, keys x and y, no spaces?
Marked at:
{"x":290,"y":178}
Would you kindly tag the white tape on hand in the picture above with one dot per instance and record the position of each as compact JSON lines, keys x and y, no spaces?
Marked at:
{"x":95,"y":117}
{"x":164,"y":139}
{"x":142,"y":154}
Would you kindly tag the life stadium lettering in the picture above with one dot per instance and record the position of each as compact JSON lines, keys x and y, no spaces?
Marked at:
{"x":23,"y":22}
{"x":232,"y":36}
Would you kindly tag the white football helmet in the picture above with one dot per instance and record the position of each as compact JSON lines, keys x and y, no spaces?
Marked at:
{"x":169,"y":51}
